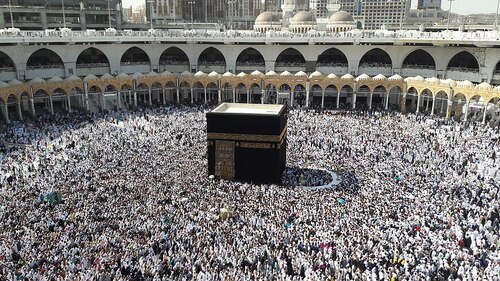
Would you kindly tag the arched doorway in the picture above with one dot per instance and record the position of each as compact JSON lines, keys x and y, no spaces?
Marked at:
{"x":13,"y":110}
{"x":44,"y":63}
{"x":457,"y":107}
{"x":419,"y":62}
{"x":143,"y":98}
{"x":41,"y":102}
{"x":331,"y":95}
{"x":332,"y":61}
{"x":212,"y":93}
{"x":198,"y":93}
{"x":374,"y":62}
{"x":92,"y":61}
{"x":378,"y":98}
{"x":60,"y":101}
{"x":174,"y":60}
{"x":362,"y":95}
{"x":7,"y":68}
{"x":464,"y":66}
{"x":299,"y":96}
{"x":185,"y":92}
{"x":135,"y":60}
{"x":395,"y":94}
{"x":316,"y":94}
{"x":441,"y":104}
{"x":211,"y":59}
{"x":411,"y":100}
{"x":249,"y":60}
{"x":290,"y":60}
{"x":241,"y":93}
{"x":171,"y":93}
{"x":157,"y":93}
{"x":271,"y":94}
{"x":426,"y":101}
{"x":228,"y":93}
{"x":346,"y":94}
{"x":283,"y":95}
{"x":255,"y":93}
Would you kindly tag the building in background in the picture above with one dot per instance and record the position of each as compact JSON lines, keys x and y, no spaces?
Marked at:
{"x":48,"y":14}
{"x":373,"y":14}
{"x":164,"y":11}
{"x":428,"y":12}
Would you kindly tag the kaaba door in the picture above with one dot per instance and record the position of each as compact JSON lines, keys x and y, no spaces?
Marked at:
{"x":224,"y":159}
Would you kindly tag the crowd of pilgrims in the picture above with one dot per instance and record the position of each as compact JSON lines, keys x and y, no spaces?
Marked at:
{"x":135,"y":201}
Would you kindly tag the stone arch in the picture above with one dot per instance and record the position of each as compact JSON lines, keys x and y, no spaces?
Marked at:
{"x":345,"y":95}
{"x":41,"y":101}
{"x":331,"y":93}
{"x":212,"y":93}
{"x":6,"y":63}
{"x":441,"y":103}
{"x":12,"y":109}
{"x":457,"y":106}
{"x":426,"y":100}
{"x":375,"y":61}
{"x":174,"y":60}
{"x":271,"y":93}
{"x":464,"y":60}
{"x":290,"y":59}
{"x":419,"y":59}
{"x":241,"y":92}
{"x":228,"y":92}
{"x":249,"y":60}
{"x":135,"y":59}
{"x":44,"y":63}
{"x":92,"y":61}
{"x":315,"y":95}
{"x":198,"y":92}
{"x":170,"y":92}
{"x":378,"y":96}
{"x":212,"y":59}
{"x":142,"y":92}
{"x":332,"y":60}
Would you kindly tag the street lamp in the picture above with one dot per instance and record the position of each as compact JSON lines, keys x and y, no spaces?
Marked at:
{"x":64,"y":14}
{"x":496,"y":16}
{"x":151,"y":12}
{"x":192,"y":2}
{"x":449,"y":15}
{"x":109,"y":15}
{"x":11,"y":17}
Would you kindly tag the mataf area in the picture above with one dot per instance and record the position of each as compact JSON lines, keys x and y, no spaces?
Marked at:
{"x":125,"y":195}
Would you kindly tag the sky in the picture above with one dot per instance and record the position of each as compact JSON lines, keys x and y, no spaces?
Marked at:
{"x":459,"y":6}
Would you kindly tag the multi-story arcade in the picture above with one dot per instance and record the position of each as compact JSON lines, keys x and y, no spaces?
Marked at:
{"x":448,"y":74}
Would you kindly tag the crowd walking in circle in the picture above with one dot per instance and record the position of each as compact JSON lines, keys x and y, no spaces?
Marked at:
{"x":419,"y":201}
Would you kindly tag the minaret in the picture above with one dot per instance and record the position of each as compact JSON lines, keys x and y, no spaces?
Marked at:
{"x":332,"y":6}
{"x":288,"y":8}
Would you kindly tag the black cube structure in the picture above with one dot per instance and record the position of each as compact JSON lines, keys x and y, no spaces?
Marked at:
{"x":247,"y":142}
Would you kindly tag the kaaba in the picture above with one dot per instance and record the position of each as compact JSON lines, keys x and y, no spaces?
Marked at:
{"x":247,"y":142}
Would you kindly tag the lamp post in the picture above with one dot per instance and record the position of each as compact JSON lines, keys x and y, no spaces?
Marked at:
{"x":192,"y":2}
{"x":449,"y":15}
{"x":496,"y":16}
{"x":11,"y":17}
{"x":109,"y":15}
{"x":64,"y":14}
{"x":151,"y":13}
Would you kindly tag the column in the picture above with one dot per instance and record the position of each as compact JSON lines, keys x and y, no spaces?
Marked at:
{"x":354,"y":100}
{"x":234,"y":94}
{"x":458,"y":112}
{"x":322,"y":99}
{"x":433,"y":105}
{"x":449,"y":108}
{"x":103,"y":101}
{"x":418,"y":103}
{"x":403,"y":102}
{"x":219,"y":94}
{"x":466,"y":111}
{"x":118,"y":100}
{"x":5,"y":111}
{"x":338,"y":99}
{"x":248,"y":95}
{"x":19,"y":111}
{"x":192,"y":96}
{"x":292,"y":94}
{"x":32,"y":100}
{"x":413,"y":102}
{"x":262,"y":95}
{"x":86,"y":96}
{"x":370,"y":100}
{"x":68,"y":102}
{"x":164,"y":95}
{"x":150,"y":97}
{"x":427,"y":104}
{"x":178,"y":92}
{"x":51,"y":105}
{"x":485,"y":111}
{"x":135,"y":98}
{"x":441,"y":110}
{"x":307,"y":95}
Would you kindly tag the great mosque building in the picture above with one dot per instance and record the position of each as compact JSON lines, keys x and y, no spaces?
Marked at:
{"x":288,"y":58}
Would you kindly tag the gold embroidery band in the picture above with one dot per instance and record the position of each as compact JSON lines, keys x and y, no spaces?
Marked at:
{"x":247,"y":137}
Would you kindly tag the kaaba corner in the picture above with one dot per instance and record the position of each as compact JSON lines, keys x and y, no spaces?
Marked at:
{"x":247,"y":142}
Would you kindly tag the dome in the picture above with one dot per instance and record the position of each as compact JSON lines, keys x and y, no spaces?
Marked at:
{"x":3,"y":84}
{"x":152,"y":74}
{"x":363,"y":77}
{"x":341,"y":16}
{"x":123,"y":76}
{"x":228,"y":74}
{"x":301,"y":73}
{"x":396,"y":77}
{"x":165,"y":73}
{"x":213,"y":74}
{"x":107,"y":76}
{"x":200,"y":74}
{"x":256,"y":73}
{"x":55,"y":79}
{"x":15,"y":82}
{"x":303,"y":17}
{"x":332,"y":76}
{"x":271,"y":73}
{"x":315,"y":74}
{"x":266,"y":17}
{"x":37,"y":80}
